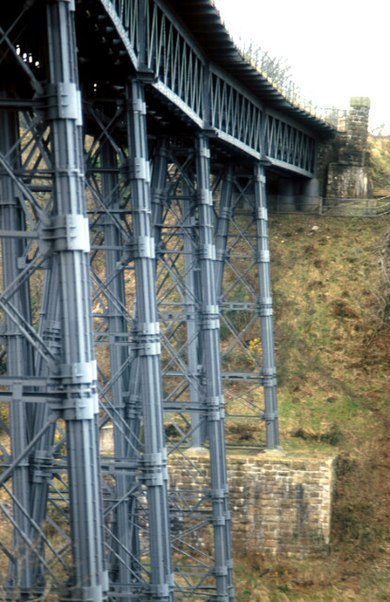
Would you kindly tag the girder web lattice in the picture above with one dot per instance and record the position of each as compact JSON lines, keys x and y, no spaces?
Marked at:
{"x":136,"y":337}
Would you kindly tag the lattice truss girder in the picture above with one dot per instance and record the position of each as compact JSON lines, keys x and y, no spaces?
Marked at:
{"x":208,"y":95}
{"x":179,"y":270}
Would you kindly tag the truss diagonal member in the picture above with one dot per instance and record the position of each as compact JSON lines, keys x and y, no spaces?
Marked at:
{"x":24,"y":190}
{"x":38,"y":535}
{"x":20,"y":14}
{"x":8,"y":472}
{"x":27,"y":331}
{"x":36,"y":85}
{"x":108,"y":212}
{"x":107,"y":126}
{"x":34,"y":144}
{"x":107,"y":291}
{"x":28,"y":543}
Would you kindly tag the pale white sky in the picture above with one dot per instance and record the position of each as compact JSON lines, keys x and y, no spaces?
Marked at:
{"x":335,"y":48}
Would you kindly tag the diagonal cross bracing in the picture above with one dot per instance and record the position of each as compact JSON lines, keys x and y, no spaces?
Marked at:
{"x":205,"y":92}
{"x":133,"y":231}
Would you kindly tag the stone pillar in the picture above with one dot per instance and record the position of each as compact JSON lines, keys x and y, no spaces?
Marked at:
{"x":310,"y":198}
{"x":286,"y":195}
{"x":355,"y":150}
{"x":348,"y":176}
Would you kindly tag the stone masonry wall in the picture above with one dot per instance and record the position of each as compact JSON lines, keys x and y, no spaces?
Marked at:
{"x":281,"y":504}
{"x":347,"y":174}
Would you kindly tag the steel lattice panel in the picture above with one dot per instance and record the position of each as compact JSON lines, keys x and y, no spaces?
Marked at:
{"x":134,"y":233}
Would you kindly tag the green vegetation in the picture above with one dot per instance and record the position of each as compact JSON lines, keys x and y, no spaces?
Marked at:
{"x":332,"y":306}
{"x":379,"y":147}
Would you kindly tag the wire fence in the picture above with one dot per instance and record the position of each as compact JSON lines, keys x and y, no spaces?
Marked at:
{"x":370,"y":207}
{"x":333,"y":207}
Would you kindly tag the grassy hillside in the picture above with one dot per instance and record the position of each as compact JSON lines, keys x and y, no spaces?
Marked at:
{"x":380,"y":164}
{"x":332,"y":303}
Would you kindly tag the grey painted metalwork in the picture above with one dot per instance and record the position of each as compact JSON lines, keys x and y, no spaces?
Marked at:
{"x":183,"y":74}
{"x":265,"y":309}
{"x":222,"y":231}
{"x":124,"y":545}
{"x":156,"y":264}
{"x":119,"y":373}
{"x":19,"y":354}
{"x":192,"y":288}
{"x":67,"y":236}
{"x":154,"y":460}
{"x":214,"y":401}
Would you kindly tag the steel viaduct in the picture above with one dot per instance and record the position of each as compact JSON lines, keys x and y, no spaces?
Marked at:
{"x":135,"y":144}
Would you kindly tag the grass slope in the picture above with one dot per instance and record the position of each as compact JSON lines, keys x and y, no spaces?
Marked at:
{"x":332,"y":306}
{"x":379,"y":164}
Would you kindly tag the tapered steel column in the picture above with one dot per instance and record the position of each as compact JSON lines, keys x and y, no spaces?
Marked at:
{"x":123,"y":372}
{"x":265,"y":310}
{"x":191,"y":277}
{"x":211,"y":366}
{"x":50,"y":329}
{"x":67,"y":236}
{"x":19,"y":358}
{"x":148,"y":343}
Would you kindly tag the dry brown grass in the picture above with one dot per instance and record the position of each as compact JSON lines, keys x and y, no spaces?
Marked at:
{"x":333,"y":337}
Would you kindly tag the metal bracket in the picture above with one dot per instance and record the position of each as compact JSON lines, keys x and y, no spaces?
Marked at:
{"x":268,"y":378}
{"x":263,"y":256}
{"x":42,"y":466}
{"x":261,"y":213}
{"x":264,"y":307}
{"x":269,"y":416}
{"x":219,"y":494}
{"x":142,"y":247}
{"x":65,"y":233}
{"x":226,"y":213}
{"x":207,"y":251}
{"x":139,"y":169}
{"x":78,"y":373}
{"x":260,"y":178}
{"x":215,"y":408}
{"x":205,"y":197}
{"x":155,"y":470}
{"x":148,"y":338}
{"x":139,"y":105}
{"x":210,"y":317}
{"x":64,"y":102}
